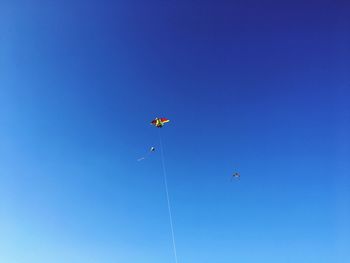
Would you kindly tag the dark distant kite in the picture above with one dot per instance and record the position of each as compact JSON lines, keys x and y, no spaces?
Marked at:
{"x":235,"y":175}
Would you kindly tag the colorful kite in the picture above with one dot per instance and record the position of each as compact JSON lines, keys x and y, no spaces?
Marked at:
{"x":159,"y":122}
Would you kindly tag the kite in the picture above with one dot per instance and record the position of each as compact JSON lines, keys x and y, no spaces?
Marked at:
{"x":152,"y":149}
{"x":159,"y":122}
{"x":235,"y":175}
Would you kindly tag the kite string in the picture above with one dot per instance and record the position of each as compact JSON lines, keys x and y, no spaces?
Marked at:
{"x":167,"y":196}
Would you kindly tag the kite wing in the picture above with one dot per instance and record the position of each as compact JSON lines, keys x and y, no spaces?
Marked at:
{"x":164,"y":120}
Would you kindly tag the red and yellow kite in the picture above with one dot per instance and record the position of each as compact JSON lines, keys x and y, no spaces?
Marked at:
{"x":159,"y":122}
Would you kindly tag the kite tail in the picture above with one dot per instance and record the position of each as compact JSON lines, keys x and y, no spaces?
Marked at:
{"x":144,"y":157}
{"x":167,"y":197}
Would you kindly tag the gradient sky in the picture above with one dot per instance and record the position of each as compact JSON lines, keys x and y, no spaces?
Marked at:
{"x":259,"y":87}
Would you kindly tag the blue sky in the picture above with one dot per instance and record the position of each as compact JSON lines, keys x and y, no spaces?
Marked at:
{"x":259,"y":88}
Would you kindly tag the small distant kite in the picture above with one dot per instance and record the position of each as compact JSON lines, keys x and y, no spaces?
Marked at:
{"x":235,"y":175}
{"x":159,"y":122}
{"x":152,"y":149}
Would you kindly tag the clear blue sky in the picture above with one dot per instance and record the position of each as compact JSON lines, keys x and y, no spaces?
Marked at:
{"x":258,"y":87}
